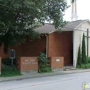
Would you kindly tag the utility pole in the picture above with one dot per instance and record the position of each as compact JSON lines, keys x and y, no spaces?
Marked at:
{"x":87,"y":37}
{"x":87,"y":40}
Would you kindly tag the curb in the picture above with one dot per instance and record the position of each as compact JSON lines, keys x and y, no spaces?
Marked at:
{"x":29,"y":77}
{"x":17,"y":78}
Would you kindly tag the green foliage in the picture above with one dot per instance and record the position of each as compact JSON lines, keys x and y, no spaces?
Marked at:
{"x":85,"y":66}
{"x":84,"y":61}
{"x":78,"y":66}
{"x":9,"y":71}
{"x":43,"y":67}
{"x":79,"y":58}
{"x":88,"y":59}
{"x":88,"y":65}
{"x":42,"y":57}
{"x":47,"y":69}
{"x":19,"y":18}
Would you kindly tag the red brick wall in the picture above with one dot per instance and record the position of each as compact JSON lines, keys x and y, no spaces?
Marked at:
{"x":60,"y":45}
{"x":29,"y":48}
{"x":0,"y":64}
{"x":2,"y":51}
{"x":27,"y":63}
{"x":55,"y":64}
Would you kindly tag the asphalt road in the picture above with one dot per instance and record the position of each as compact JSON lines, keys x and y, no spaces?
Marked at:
{"x":58,"y":82}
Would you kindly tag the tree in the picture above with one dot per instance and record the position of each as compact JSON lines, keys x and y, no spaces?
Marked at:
{"x":79,"y":58}
{"x":19,"y":18}
{"x":84,"y":61}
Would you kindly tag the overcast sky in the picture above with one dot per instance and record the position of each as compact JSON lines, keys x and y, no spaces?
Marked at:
{"x":83,"y":10}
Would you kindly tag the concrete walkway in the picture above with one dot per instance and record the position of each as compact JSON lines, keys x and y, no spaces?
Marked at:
{"x":35,"y":75}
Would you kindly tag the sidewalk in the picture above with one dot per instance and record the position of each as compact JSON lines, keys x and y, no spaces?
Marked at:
{"x":35,"y":75}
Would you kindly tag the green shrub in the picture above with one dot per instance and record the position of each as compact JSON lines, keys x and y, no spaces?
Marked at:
{"x":9,"y":71}
{"x":42,"y":57}
{"x":47,"y":69}
{"x":42,"y":62}
{"x":83,"y":66}
{"x":88,"y":59}
{"x":84,"y":60}
{"x":87,"y":65}
{"x":78,"y":66}
{"x":79,"y":58}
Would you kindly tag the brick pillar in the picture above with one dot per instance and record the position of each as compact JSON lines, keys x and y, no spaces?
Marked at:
{"x":57,"y":63}
{"x":0,"y":65}
{"x":19,"y":63}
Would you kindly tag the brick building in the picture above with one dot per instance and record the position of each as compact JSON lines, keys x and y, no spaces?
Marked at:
{"x":64,"y":44}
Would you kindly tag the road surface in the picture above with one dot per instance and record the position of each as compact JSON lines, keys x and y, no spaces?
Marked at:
{"x":57,"y":82}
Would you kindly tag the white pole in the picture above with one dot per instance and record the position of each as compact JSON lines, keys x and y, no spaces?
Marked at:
{"x":74,"y":11}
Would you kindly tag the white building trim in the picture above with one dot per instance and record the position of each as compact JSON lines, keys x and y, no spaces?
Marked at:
{"x":74,"y":61}
{"x":81,"y":24}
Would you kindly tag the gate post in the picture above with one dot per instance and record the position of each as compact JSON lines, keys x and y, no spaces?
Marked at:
{"x":0,"y":64}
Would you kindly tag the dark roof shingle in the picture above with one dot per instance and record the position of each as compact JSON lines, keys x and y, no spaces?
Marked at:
{"x":49,"y":28}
